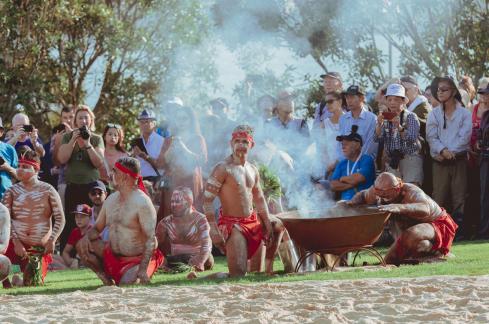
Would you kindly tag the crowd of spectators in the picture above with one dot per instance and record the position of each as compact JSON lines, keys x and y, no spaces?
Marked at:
{"x":436,"y":139}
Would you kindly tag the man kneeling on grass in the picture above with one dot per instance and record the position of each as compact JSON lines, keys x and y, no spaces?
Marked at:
{"x":420,"y":227}
{"x":183,"y":236}
{"x":131,"y":255}
{"x":4,"y":239}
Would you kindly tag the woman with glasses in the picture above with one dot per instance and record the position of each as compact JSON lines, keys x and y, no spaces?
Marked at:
{"x":113,"y":137}
{"x":448,"y":130}
{"x":329,"y":152}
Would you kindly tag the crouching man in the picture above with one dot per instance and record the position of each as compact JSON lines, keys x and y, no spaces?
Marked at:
{"x":4,"y":239}
{"x":183,"y":236}
{"x":420,"y":227}
{"x":131,"y":254}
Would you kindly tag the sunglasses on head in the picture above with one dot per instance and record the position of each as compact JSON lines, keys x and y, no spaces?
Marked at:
{"x":116,"y":126}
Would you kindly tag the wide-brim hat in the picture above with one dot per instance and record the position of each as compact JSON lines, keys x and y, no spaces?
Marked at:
{"x":146,"y":114}
{"x":436,"y":81}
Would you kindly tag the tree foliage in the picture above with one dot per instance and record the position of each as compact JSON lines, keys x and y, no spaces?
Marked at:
{"x":52,"y":49}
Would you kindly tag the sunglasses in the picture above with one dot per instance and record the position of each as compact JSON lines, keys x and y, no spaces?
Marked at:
{"x":444,"y":89}
{"x":116,"y":126}
{"x":330,"y":101}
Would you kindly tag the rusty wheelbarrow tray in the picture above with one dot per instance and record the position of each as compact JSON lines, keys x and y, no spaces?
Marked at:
{"x":336,"y":231}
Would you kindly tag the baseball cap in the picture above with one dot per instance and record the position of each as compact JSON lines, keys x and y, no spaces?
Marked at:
{"x":82,"y":209}
{"x":146,"y":114}
{"x":395,"y":90}
{"x":334,"y":75}
{"x":409,"y":79}
{"x":353,"y":136}
{"x":355,"y":90}
{"x":483,"y":90}
{"x":97,"y":185}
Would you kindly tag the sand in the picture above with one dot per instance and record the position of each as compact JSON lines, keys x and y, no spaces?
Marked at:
{"x":437,"y":299}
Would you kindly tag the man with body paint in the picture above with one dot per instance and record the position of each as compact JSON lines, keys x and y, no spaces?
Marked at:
{"x":4,"y":240}
{"x":420,"y":227}
{"x":131,"y":255}
{"x":33,"y":205}
{"x":183,"y":236}
{"x":241,"y":230}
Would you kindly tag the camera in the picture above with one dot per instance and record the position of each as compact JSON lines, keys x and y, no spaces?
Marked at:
{"x":60,"y":128}
{"x":2,"y":160}
{"x":388,"y":115}
{"x":28,"y":128}
{"x":84,"y":132}
{"x":395,"y":159}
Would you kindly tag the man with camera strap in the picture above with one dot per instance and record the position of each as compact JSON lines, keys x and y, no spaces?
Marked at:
{"x":399,"y":129}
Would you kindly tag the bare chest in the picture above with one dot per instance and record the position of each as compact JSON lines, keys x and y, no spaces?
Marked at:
{"x":242,"y":177}
{"x":30,"y":204}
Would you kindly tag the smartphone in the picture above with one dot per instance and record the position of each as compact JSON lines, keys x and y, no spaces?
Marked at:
{"x":138,"y":142}
{"x":28,"y":128}
{"x":388,"y":115}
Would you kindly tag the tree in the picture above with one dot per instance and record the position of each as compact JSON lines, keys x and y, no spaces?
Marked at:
{"x":52,"y":48}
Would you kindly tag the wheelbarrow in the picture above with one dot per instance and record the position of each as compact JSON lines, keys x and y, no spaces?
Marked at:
{"x":336,"y":231}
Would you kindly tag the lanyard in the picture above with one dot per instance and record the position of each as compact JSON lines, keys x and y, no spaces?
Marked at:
{"x":348,"y":173}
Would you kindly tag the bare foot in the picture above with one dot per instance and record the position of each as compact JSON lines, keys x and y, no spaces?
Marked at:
{"x":192,"y":275}
{"x":17,"y":281}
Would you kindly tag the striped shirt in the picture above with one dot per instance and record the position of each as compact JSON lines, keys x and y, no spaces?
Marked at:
{"x":408,"y":143}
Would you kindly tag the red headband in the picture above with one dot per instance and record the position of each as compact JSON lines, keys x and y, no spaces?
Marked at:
{"x":243,"y":135}
{"x":36,"y":165}
{"x":132,"y":174}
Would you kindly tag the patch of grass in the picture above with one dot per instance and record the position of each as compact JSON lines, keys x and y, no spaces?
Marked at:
{"x":471,"y":258}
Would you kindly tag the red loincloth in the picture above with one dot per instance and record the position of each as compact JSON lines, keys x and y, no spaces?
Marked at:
{"x":116,"y":267}
{"x":15,"y":259}
{"x":250,"y":227}
{"x":445,"y":228}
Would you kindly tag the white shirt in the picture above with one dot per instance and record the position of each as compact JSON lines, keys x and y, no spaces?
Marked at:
{"x":455,"y":136}
{"x":153,"y":146}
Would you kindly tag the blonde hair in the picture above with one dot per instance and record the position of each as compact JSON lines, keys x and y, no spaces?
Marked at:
{"x":81,"y":108}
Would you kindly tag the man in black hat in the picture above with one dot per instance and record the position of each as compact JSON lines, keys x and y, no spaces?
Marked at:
{"x":357,"y":171}
{"x":331,"y":83}
{"x":448,"y":132}
{"x":360,"y":116}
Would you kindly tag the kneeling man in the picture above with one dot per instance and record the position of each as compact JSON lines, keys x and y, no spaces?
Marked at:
{"x":241,"y":228}
{"x":4,"y":239}
{"x":183,"y":236}
{"x":131,"y":254}
{"x":32,"y":204}
{"x":420,"y":227}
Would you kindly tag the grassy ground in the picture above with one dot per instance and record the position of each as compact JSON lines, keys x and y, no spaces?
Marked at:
{"x":471,"y":258}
